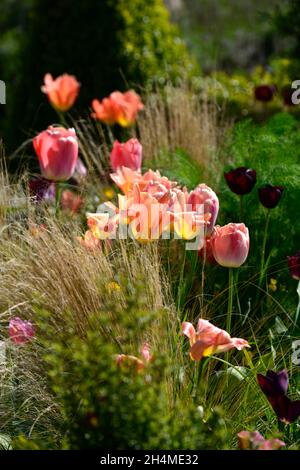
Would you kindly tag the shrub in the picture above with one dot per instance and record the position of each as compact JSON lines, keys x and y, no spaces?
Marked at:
{"x":107,"y":44}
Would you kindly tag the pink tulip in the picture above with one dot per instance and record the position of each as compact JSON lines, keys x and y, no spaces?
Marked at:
{"x":253,"y":440}
{"x":209,"y":340}
{"x":62,"y":92}
{"x":204,"y":196}
{"x":230,"y":245}
{"x":57,"y":151}
{"x":128,"y":154}
{"x":21,"y":331}
{"x":120,"y":108}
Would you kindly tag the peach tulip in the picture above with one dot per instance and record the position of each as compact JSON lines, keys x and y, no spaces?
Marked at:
{"x":71,"y":202}
{"x":230,"y":245}
{"x":89,"y":241}
{"x":118,"y":108}
{"x":62,"y":92}
{"x":209,"y":340}
{"x":57,"y":151}
{"x":130,"y":360}
{"x":128,"y":154}
{"x":204,"y":198}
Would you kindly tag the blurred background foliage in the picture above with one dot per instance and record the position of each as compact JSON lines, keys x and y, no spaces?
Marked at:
{"x":223,"y":47}
{"x":107,"y":44}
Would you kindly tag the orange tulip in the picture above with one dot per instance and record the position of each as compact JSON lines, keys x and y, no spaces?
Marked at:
{"x":62,"y":92}
{"x":209,"y":340}
{"x":118,"y":108}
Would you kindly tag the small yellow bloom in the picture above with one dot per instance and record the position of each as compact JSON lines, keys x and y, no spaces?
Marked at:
{"x":109,"y":193}
{"x":273,"y":285}
{"x":113,"y":286}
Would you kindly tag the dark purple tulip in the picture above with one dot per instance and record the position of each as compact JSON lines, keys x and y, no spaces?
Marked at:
{"x":273,"y":383}
{"x":286,"y":93}
{"x":274,"y":386}
{"x":270,"y":195}
{"x":241,"y":180}
{"x":264,"y":93}
{"x":294,"y":266}
{"x":41,"y":189}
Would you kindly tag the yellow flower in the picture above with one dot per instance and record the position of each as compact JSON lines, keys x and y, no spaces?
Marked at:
{"x":273,"y":284}
{"x":113,"y":286}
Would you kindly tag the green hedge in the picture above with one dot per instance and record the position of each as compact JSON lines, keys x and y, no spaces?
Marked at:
{"x":107,"y":44}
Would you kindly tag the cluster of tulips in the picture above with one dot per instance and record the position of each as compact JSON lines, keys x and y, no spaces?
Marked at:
{"x":152,"y":207}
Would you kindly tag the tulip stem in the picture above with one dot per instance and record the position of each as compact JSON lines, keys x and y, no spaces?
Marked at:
{"x":58,"y":191}
{"x":241,"y":208}
{"x":230,"y":299}
{"x":263,"y":251}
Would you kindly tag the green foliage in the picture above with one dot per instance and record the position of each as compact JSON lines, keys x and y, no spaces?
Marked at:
{"x":105,"y":405}
{"x":107,"y":45}
{"x":178,"y":166}
{"x":273,"y":150}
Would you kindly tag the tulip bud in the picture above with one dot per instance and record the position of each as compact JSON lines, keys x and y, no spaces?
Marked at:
{"x":62,"y":92}
{"x":230,"y":245}
{"x":270,"y":195}
{"x":128,"y":154}
{"x":57,"y":151}
{"x":241,"y":180}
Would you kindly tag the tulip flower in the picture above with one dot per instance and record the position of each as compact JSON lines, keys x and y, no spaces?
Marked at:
{"x":62,"y":92}
{"x":21,"y":331}
{"x":286,"y":94}
{"x":128,"y":154}
{"x":118,"y":108}
{"x":294,"y":266}
{"x":41,"y":189}
{"x":89,"y":241}
{"x":57,"y":151}
{"x":230,"y":245}
{"x":294,"y":269}
{"x":253,"y":440}
{"x":274,"y":386}
{"x":129,"y":360}
{"x":230,"y":248}
{"x":203,"y":196}
{"x":264,"y":93}
{"x":209,"y":340}
{"x":71,"y":202}
{"x":241,"y":181}
{"x":270,"y":195}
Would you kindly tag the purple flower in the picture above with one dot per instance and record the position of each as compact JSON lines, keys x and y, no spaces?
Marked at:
{"x":41,"y":189}
{"x":274,"y":386}
{"x":270,"y":195}
{"x":264,"y":93}
{"x":241,"y":180}
{"x":20,"y":331}
{"x":294,"y":266}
